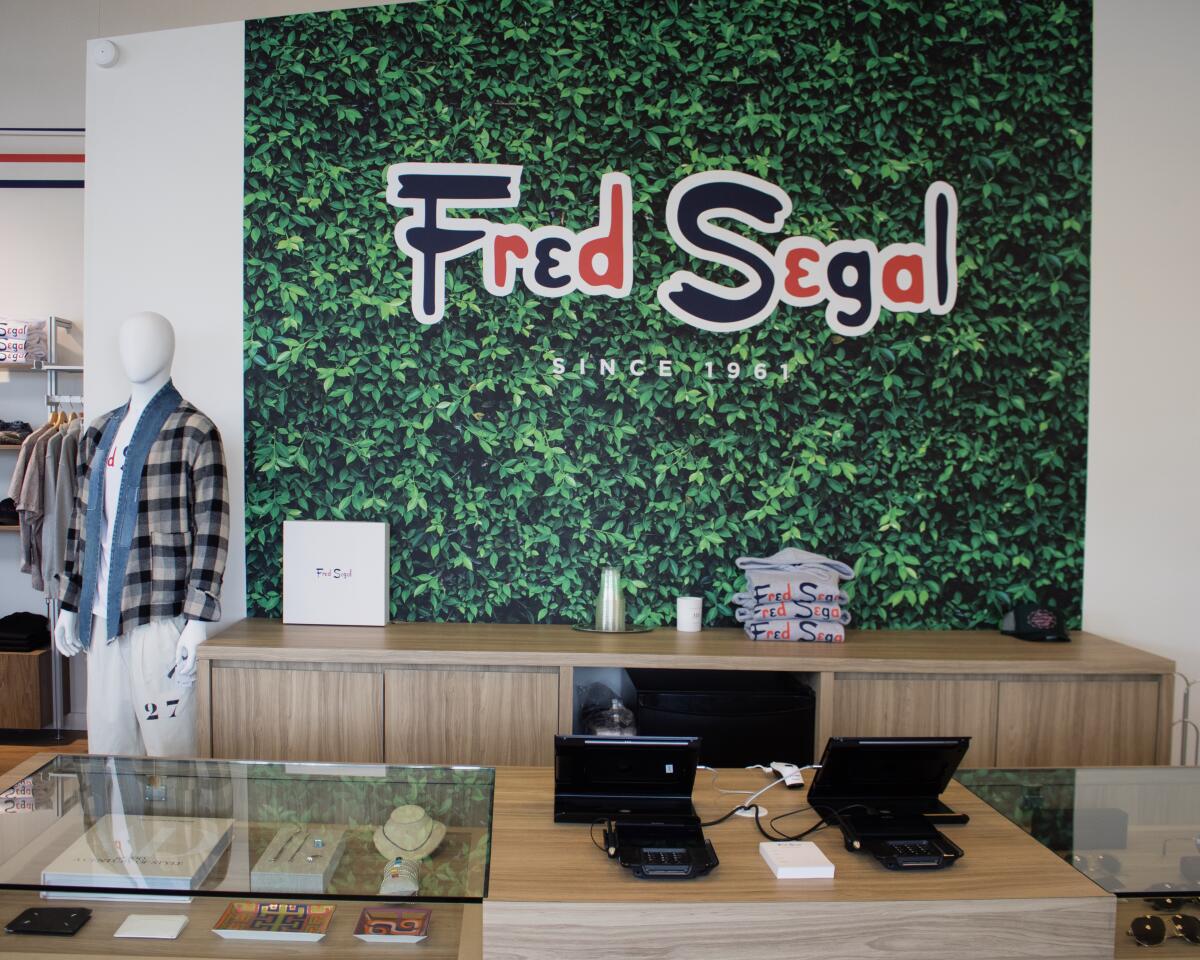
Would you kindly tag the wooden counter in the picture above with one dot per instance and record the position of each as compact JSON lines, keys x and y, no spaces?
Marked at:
{"x":553,"y":894}
{"x":554,"y":645}
{"x":496,"y":693}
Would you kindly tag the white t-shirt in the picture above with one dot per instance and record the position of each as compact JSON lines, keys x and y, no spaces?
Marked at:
{"x":114,"y":469}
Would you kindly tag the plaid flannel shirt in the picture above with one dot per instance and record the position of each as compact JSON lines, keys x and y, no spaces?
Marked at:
{"x":177,"y":557}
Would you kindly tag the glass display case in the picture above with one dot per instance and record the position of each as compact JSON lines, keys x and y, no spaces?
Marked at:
{"x":126,"y":828}
{"x":1133,"y":830}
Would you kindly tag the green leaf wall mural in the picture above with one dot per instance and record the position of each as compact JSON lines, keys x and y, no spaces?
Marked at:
{"x":943,"y":456}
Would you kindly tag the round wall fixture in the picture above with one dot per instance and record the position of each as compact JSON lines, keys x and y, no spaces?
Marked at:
{"x":105,"y":53}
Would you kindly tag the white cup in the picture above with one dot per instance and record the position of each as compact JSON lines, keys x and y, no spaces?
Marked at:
{"x":689,"y":614}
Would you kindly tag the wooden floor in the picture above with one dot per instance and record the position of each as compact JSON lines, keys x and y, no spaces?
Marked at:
{"x":16,"y":749}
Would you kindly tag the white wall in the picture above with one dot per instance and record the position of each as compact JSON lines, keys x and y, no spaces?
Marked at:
{"x":41,"y":61}
{"x":1142,"y":547}
{"x":163,"y":230}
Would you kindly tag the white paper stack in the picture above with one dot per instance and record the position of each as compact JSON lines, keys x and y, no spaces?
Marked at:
{"x":796,"y":860}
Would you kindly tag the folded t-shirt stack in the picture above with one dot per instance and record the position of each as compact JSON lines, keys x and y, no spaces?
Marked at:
{"x":793,"y":595}
{"x":23,"y":342}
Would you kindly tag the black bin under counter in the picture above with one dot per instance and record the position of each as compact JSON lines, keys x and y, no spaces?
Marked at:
{"x":743,"y":717}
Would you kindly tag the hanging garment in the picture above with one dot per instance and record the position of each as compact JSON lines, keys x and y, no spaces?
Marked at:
{"x":64,"y":496}
{"x":171,"y":530}
{"x":46,"y":525}
{"x":27,"y":445}
{"x":29,"y":507}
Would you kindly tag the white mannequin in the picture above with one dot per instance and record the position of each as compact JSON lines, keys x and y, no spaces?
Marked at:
{"x":146,"y":343}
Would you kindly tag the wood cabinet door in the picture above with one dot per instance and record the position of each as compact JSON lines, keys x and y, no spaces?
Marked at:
{"x":1078,"y":722}
{"x":473,"y":716}
{"x":25,"y":684}
{"x":296,"y":714}
{"x":873,"y":705}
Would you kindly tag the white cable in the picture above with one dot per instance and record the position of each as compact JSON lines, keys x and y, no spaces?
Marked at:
{"x":723,"y":790}
{"x":750,"y":793}
{"x":773,"y":783}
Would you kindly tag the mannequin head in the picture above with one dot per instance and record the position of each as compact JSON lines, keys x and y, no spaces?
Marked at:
{"x":146,"y":343}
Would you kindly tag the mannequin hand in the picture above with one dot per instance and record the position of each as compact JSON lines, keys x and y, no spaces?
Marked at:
{"x":66,"y":633}
{"x":195,"y":632}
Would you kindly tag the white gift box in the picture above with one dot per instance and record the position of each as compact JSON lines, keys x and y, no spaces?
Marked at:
{"x":335,"y":572}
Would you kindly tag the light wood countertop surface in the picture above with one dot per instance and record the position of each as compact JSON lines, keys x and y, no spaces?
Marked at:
{"x":537,"y":860}
{"x":553,"y":645}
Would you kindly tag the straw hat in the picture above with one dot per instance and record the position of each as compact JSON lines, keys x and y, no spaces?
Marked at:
{"x":410,"y":833}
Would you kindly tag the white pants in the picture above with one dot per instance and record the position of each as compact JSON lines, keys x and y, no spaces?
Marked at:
{"x":133,"y":708}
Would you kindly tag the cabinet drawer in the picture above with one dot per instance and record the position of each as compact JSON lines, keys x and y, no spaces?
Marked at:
{"x":260,"y":713}
{"x":1077,"y":722}
{"x":473,"y":716}
{"x":874,"y":705}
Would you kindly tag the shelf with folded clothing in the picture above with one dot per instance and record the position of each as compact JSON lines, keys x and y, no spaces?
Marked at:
{"x":35,"y":551}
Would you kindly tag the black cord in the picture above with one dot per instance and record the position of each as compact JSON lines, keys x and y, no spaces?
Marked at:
{"x":592,"y":834}
{"x":825,"y":820}
{"x":757,"y":821}
{"x":784,"y":816}
{"x":782,"y":837}
{"x":737,"y":809}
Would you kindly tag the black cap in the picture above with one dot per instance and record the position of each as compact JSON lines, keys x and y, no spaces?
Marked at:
{"x":1034,"y":621}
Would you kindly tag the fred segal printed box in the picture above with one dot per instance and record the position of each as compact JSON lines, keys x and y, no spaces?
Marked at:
{"x":335,"y":572}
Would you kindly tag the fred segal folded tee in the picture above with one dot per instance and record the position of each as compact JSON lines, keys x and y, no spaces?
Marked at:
{"x":810,"y":631}
{"x":791,"y":559}
{"x":811,"y":585}
{"x":790,"y":609}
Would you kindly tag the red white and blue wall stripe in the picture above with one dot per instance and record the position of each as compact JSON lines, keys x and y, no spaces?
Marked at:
{"x":40,"y":163}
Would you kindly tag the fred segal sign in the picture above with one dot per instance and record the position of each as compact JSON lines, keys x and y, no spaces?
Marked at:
{"x":853,"y":278}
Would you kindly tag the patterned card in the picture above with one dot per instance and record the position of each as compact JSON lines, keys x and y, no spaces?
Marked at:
{"x":246,"y":920}
{"x":393,"y":924}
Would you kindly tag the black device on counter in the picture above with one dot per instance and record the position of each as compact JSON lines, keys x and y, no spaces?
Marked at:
{"x":641,"y":788}
{"x":54,"y":921}
{"x":884,"y":794}
{"x":898,"y":842}
{"x":661,"y":849}
{"x":602,"y":778}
